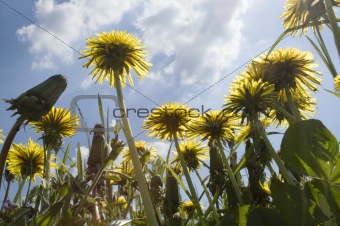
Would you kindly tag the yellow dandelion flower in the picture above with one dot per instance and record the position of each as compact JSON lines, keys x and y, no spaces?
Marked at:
{"x":337,"y":84}
{"x":167,"y":120}
{"x":250,"y":97}
{"x":290,"y":67}
{"x":305,"y":13}
{"x":213,"y":125}
{"x":121,"y":201}
{"x":188,"y":208}
{"x":146,"y":151}
{"x":126,"y":168}
{"x":58,"y":123}
{"x":1,"y":136}
{"x":115,"y":51}
{"x":194,"y":153}
{"x":27,"y":160}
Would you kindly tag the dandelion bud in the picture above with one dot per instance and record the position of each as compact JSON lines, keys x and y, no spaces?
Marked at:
{"x":156,"y":181}
{"x":171,"y":200}
{"x":38,"y":101}
{"x":99,"y":148}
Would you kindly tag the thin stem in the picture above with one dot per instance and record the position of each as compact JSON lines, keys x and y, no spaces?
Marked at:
{"x":18,"y":194}
{"x":216,"y":217}
{"x":291,"y":104}
{"x":28,"y":190}
{"x":187,"y":176}
{"x":215,"y":199}
{"x":6,"y":194}
{"x":47,"y":166}
{"x":7,"y":144}
{"x":287,"y":176}
{"x":271,"y":170}
{"x":231,"y":176}
{"x":88,"y":191}
{"x":333,"y":22}
{"x":144,"y":190}
{"x":291,"y":119}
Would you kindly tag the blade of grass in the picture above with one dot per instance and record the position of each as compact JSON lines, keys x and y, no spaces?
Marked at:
{"x":79,"y":163}
{"x":323,"y":58}
{"x":107,"y":125}
{"x":174,"y":174}
{"x":324,"y":49}
{"x":84,"y":126}
{"x":100,"y":107}
{"x":333,"y":22}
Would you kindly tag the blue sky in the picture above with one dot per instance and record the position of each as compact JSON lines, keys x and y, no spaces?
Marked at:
{"x":193,"y":45}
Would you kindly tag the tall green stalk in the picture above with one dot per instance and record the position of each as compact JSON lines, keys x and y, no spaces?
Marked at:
{"x":286,"y":175}
{"x":291,"y":104}
{"x":189,"y":181}
{"x":28,"y":190}
{"x":334,"y":24}
{"x":47,"y":171}
{"x":231,"y":176}
{"x":21,"y":183}
{"x":7,"y":144}
{"x":211,"y":203}
{"x":144,"y":190}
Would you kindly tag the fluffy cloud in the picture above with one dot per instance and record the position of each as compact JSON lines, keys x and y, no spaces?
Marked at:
{"x":60,"y":26}
{"x":190,"y":41}
{"x":196,"y":38}
{"x":162,"y":148}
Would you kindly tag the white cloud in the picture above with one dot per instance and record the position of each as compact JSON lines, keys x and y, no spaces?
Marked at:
{"x":86,"y":83}
{"x":162,"y":148}
{"x":84,"y":153}
{"x":200,"y":37}
{"x":192,"y":41}
{"x":62,"y":25}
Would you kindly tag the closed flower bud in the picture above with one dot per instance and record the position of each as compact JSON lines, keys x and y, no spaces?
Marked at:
{"x":38,"y":101}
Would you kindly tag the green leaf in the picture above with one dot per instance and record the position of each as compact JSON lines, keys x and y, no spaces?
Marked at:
{"x":296,"y":205}
{"x":334,"y":178}
{"x":334,"y":93}
{"x":264,"y":217}
{"x":243,"y":211}
{"x":45,"y":219}
{"x":309,"y":148}
{"x":100,"y":106}
{"x":79,"y":163}
{"x":332,"y":194}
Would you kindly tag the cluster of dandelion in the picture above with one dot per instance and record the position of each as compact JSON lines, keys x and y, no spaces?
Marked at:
{"x":220,"y":168}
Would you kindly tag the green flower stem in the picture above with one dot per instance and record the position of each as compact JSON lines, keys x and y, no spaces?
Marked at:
{"x":291,"y":119}
{"x":231,"y":176}
{"x":7,"y":144}
{"x":6,"y":194}
{"x":334,"y":24}
{"x":287,"y":176}
{"x":214,"y":200}
{"x":28,"y":190}
{"x":47,"y":169}
{"x":88,"y":191}
{"x":271,"y":170}
{"x":147,"y":201}
{"x":215,"y":214}
{"x":189,"y":181}
{"x":291,"y":104}
{"x":18,"y":194}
